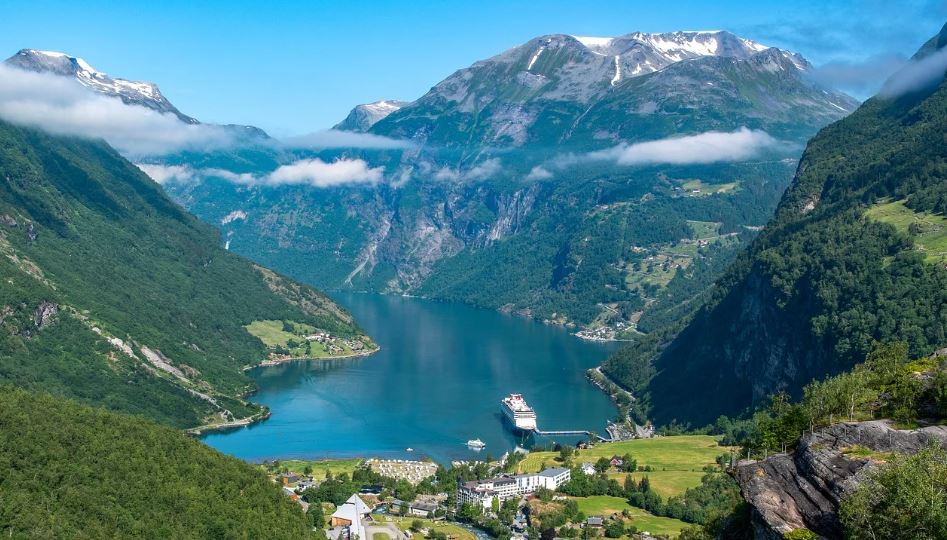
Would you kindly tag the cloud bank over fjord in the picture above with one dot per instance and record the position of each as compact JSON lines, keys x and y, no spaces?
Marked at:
{"x":318,"y":173}
{"x":62,"y":106}
{"x":703,"y":148}
{"x":860,"y":78}
{"x":917,"y":75}
{"x":305,"y":172}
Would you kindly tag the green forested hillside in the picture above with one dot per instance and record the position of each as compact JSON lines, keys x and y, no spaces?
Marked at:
{"x":71,"y":471}
{"x":114,"y":295}
{"x":826,"y":278}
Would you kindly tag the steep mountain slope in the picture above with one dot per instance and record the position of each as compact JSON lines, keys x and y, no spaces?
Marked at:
{"x":513,"y":197}
{"x":854,"y":254}
{"x":71,"y":471}
{"x":366,"y":115}
{"x":114,"y":295}
{"x":563,"y":90}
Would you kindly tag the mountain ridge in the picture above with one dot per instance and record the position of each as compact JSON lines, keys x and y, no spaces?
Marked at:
{"x":134,"y":93}
{"x":829,"y":275}
{"x":116,"y":296}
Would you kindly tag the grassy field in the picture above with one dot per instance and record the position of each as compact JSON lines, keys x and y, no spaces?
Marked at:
{"x":708,"y":189}
{"x":272,"y":334}
{"x":452,"y":531}
{"x":605,"y":506}
{"x":677,"y":461}
{"x":335,"y":466}
{"x":665,"y":483}
{"x":930,"y":230}
{"x":704,"y":229}
{"x":663,"y":269}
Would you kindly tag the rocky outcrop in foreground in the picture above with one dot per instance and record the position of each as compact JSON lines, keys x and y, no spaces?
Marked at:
{"x":804,"y":489}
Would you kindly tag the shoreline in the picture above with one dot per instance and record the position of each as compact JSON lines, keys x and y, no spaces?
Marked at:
{"x":286,"y":359}
{"x":265,"y":414}
{"x":601,"y":340}
{"x":228,"y":426}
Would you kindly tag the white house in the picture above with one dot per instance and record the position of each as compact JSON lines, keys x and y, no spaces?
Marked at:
{"x":349,"y":515}
{"x":588,"y":468}
{"x":482,"y":492}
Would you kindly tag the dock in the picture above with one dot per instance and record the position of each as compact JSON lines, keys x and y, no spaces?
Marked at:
{"x":570,"y":432}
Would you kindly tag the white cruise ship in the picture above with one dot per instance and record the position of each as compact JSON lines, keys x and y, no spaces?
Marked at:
{"x":521,"y":415}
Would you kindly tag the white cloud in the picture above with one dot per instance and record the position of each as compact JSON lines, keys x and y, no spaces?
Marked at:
{"x":447,"y":174}
{"x":480,"y":171}
{"x":539,"y":173}
{"x":485,"y":169}
{"x":917,"y":75}
{"x":862,"y":77}
{"x":708,"y":147}
{"x":237,"y":178}
{"x":167,"y":173}
{"x":312,"y":172}
{"x":61,"y":106}
{"x":318,"y":173}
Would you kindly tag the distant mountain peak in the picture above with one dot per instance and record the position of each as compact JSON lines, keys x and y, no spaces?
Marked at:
{"x":145,"y":94}
{"x":366,"y":115}
{"x":676,"y":45}
{"x":594,"y":90}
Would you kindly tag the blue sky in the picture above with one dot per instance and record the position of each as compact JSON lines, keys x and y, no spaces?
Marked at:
{"x":297,"y":66}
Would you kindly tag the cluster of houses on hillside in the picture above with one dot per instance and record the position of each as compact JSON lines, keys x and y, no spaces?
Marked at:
{"x":331,"y":342}
{"x":483,"y":492}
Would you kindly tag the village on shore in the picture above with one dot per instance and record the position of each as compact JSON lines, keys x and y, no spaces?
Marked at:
{"x":568,"y":491}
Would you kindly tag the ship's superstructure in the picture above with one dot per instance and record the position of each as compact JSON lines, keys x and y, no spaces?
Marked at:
{"x":518,"y":412}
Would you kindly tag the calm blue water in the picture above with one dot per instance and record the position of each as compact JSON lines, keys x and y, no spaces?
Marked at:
{"x":436,"y":383}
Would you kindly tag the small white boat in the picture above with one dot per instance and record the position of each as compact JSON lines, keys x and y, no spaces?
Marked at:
{"x":476,"y":444}
{"x":409,"y":449}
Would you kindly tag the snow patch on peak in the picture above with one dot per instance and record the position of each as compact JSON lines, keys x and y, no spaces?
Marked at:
{"x":79,"y":62}
{"x":384,"y":106}
{"x":594,"y":42}
{"x":754,"y":46}
{"x":534,"y":58}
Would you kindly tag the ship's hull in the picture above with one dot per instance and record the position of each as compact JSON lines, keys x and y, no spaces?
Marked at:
{"x":525,"y":425}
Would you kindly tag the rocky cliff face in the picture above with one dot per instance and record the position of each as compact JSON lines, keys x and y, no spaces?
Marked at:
{"x":804,"y":489}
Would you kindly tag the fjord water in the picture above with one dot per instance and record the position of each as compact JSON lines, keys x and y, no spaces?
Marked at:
{"x":436,"y":383}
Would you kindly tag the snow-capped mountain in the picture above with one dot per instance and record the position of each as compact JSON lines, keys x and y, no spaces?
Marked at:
{"x":145,"y":94}
{"x":366,"y":115}
{"x":549,"y":90}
